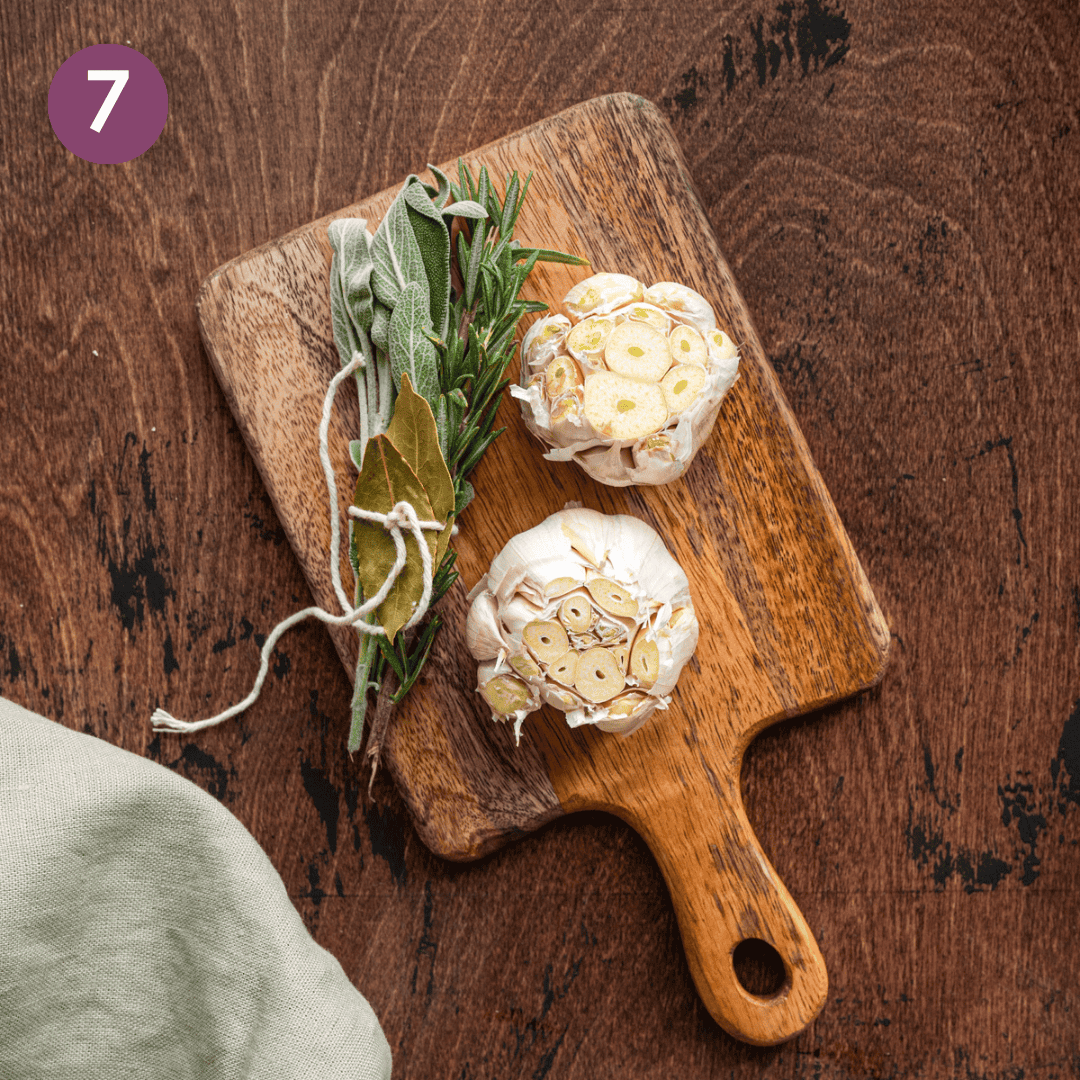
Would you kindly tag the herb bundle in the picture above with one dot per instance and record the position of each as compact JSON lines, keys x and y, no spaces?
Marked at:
{"x":431,"y":303}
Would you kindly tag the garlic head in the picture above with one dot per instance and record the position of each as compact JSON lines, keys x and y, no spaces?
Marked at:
{"x":586,"y":612}
{"x":631,"y":382}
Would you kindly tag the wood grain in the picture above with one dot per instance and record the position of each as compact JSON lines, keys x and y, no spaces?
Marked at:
{"x":893,"y":186}
{"x":789,"y":621}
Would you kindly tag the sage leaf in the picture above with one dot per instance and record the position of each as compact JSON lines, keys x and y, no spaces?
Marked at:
{"x":440,"y":196}
{"x":356,"y":452}
{"x":411,"y":349}
{"x":380,"y":327}
{"x":352,"y":311}
{"x":348,"y":340}
{"x":433,"y":241}
{"x":396,"y":256}
{"x":387,"y":479}
{"x":466,"y":208}
{"x":464,"y":496}
{"x":351,"y":243}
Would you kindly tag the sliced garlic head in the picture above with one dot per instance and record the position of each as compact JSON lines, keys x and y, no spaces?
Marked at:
{"x":587,"y":612}
{"x":638,"y":351}
{"x":632,"y":385}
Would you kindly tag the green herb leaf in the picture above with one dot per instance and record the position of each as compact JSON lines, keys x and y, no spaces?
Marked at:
{"x":476,"y":253}
{"x":546,"y":255}
{"x":465,"y":208}
{"x":465,"y":495}
{"x":410,"y":348}
{"x":396,"y":255}
{"x":356,"y":452}
{"x":433,"y":240}
{"x":440,"y":196}
{"x":510,"y":207}
{"x":380,"y":327}
{"x":443,"y":426}
{"x":387,"y":479}
{"x":351,"y":243}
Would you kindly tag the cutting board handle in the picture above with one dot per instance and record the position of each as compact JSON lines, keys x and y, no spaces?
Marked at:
{"x":725,"y":892}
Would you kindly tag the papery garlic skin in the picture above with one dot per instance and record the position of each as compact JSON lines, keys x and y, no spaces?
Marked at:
{"x":611,"y":422}
{"x":581,"y":588}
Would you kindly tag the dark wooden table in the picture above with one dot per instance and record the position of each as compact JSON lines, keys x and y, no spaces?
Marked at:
{"x":896,"y":188}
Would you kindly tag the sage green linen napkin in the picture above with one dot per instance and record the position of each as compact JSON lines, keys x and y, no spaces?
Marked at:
{"x":144,"y":933}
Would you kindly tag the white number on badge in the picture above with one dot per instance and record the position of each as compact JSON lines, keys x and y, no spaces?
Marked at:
{"x":119,"y":81}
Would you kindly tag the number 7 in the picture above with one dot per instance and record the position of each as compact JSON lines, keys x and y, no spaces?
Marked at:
{"x":119,"y":81}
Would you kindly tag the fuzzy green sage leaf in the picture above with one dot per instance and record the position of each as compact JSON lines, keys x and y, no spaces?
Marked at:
{"x":433,"y":241}
{"x":411,"y":350}
{"x":396,"y":256}
{"x":465,"y":208}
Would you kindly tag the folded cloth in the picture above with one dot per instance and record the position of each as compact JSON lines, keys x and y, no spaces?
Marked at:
{"x":144,"y":933}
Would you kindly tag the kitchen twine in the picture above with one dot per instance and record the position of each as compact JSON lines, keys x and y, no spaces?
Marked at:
{"x":401,"y":516}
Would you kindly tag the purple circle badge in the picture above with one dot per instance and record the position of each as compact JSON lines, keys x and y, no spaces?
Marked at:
{"x":108,"y":104}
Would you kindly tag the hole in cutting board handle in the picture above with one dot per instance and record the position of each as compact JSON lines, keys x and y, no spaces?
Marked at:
{"x":759,"y":968}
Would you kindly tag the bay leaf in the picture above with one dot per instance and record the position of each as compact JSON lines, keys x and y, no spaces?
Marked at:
{"x":387,"y":479}
{"x":411,"y":349}
{"x":414,"y":434}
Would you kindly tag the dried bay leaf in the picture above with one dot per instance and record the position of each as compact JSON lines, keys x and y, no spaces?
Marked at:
{"x":416,"y":438}
{"x":413,"y":433}
{"x":387,"y":479}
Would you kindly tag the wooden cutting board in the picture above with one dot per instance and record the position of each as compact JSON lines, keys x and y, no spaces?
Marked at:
{"x":788,"y":620}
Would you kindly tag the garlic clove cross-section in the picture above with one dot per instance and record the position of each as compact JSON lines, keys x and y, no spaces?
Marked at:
{"x":586,"y":612}
{"x":629,"y":386}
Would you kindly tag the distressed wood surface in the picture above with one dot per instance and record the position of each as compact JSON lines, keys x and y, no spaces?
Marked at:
{"x":789,"y":621}
{"x":894,"y":187}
